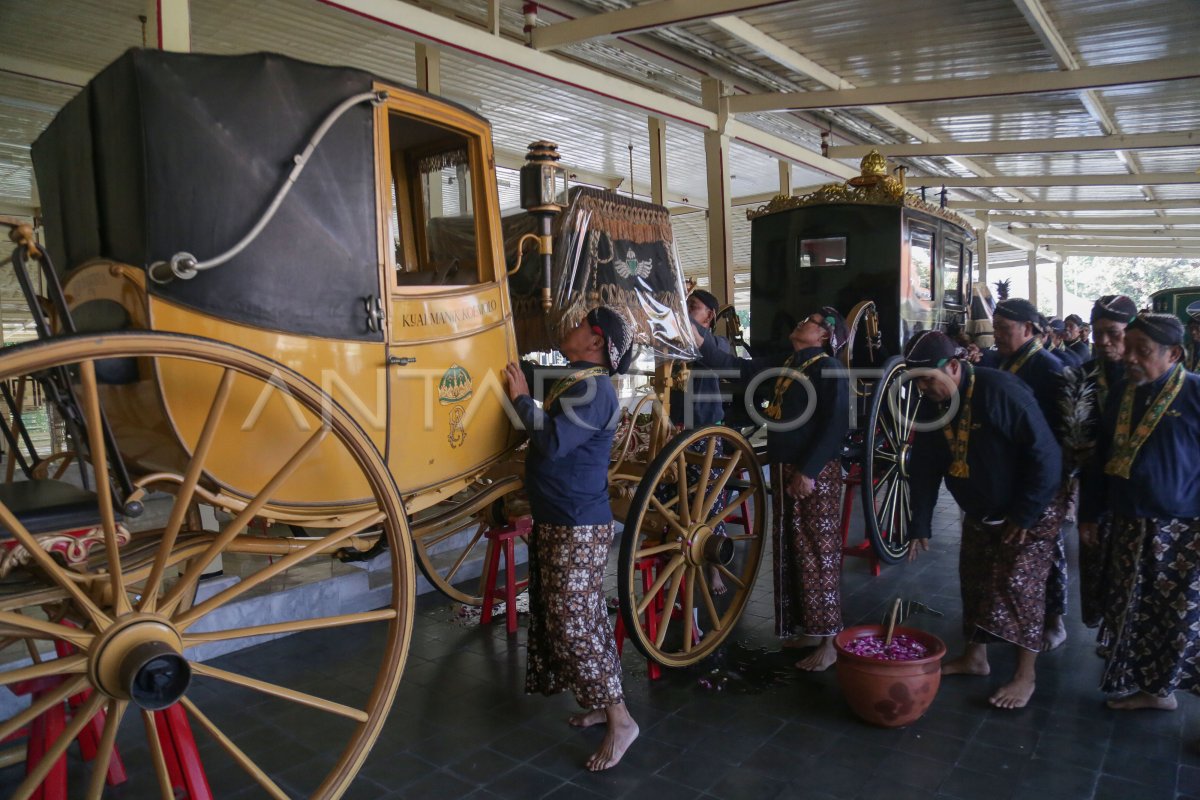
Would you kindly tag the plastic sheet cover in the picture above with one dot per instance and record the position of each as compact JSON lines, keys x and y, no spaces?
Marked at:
{"x":608,"y":250}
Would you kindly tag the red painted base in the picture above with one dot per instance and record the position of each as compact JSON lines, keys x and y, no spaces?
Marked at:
{"x":503,"y":540}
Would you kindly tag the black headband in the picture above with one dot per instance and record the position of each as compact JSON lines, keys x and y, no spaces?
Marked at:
{"x":1018,"y":309}
{"x":929,"y":349}
{"x":1115,"y":307}
{"x":1166,"y":329}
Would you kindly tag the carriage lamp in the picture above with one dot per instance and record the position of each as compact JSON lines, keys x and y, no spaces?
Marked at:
{"x":543,"y":194}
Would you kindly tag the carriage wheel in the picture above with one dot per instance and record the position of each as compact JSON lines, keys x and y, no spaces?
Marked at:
{"x":443,"y":552}
{"x":121,"y":631}
{"x":886,"y":495}
{"x":670,"y":548}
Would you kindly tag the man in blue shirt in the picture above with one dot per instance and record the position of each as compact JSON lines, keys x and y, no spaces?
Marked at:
{"x":1149,"y":450}
{"x":1074,"y":339}
{"x":1016,"y":329}
{"x":570,"y":644}
{"x":1002,"y":465}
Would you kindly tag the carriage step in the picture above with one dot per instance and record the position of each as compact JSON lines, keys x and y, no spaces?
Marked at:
{"x":504,"y":540}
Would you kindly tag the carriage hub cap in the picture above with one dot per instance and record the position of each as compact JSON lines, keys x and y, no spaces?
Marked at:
{"x":140,"y":658}
{"x":705,"y":547}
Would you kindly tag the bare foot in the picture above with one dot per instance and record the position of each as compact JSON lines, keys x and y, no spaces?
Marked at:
{"x":1143,"y":700}
{"x":1055,"y":633}
{"x":716,"y":582}
{"x":617,"y":739}
{"x":1014,"y":694}
{"x":586,"y":719}
{"x":820,"y":659}
{"x":967,"y":665}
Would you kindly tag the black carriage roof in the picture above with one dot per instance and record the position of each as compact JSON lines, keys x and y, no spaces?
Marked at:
{"x":168,"y":152}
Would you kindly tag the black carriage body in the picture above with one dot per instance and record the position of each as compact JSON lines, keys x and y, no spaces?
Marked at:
{"x":839,"y":254}
{"x":168,"y":152}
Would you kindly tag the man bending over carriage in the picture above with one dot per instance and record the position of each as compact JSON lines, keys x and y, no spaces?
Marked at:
{"x":809,"y":419}
{"x":570,"y":643}
{"x":1002,"y":465}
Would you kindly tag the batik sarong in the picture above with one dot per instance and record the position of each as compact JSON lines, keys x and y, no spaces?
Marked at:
{"x":1094,"y":575}
{"x":667,"y":490}
{"x":570,"y":643}
{"x":1056,"y":582}
{"x":1152,"y":607}
{"x":1004,"y":585}
{"x":806,"y":541}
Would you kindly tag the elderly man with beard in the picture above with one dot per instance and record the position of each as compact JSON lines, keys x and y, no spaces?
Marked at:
{"x":1110,"y":315}
{"x":1001,"y":464}
{"x":1015,"y":327}
{"x":1150,"y":448}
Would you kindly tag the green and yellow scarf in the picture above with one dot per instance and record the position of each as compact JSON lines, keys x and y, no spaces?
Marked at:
{"x":1126,"y":445}
{"x":784,"y":382}
{"x":1018,"y":361}
{"x":958,"y":436}
{"x":566,"y":382}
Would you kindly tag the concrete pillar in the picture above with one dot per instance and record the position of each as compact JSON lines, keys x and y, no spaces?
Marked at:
{"x":785,"y":178}
{"x":429,"y":68}
{"x":1058,"y":288}
{"x":494,"y":17}
{"x":981,"y":253}
{"x":1033,"y":256}
{"x":657,"y":129}
{"x":170,"y":25}
{"x":720,"y":228}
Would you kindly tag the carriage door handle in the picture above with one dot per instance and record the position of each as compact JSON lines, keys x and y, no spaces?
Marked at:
{"x":374,"y":308}
{"x":401,"y":361}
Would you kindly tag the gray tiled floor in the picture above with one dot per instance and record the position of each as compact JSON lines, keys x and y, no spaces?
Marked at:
{"x":461,"y":727}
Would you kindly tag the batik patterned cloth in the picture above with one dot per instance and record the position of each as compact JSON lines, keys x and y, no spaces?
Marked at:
{"x":667,"y":491}
{"x":1004,"y":585}
{"x":1152,"y":607}
{"x":1094,"y":574}
{"x":570,"y":643}
{"x":1056,"y":583}
{"x":806,"y":541}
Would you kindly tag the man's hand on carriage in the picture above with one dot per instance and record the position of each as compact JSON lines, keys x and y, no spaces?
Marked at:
{"x":515,"y":381}
{"x":917,"y":547}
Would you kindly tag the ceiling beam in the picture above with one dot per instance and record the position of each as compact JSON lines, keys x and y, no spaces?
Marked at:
{"x":1147,"y":219}
{"x":44,"y":71}
{"x":638,"y":18}
{"x":1165,"y":69}
{"x":1074,"y":144}
{"x":1135,"y":252}
{"x":1143,"y":179}
{"x":1165,"y":237}
{"x":1133,"y":204}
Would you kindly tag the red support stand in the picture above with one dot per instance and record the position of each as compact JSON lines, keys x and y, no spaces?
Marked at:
{"x":43,"y":732}
{"x":504,"y":540}
{"x":647,"y":567}
{"x":863,"y":549}
{"x":180,"y":752}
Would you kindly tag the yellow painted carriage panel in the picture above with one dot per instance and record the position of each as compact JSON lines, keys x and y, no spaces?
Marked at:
{"x":262,"y":426}
{"x":448,"y":399}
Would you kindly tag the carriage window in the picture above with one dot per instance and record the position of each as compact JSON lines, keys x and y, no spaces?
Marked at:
{"x":828,"y":252}
{"x":921,"y":264}
{"x":952,"y":267}
{"x":433,"y":225}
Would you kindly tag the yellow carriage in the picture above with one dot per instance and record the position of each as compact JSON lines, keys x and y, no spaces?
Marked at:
{"x":258,"y":313}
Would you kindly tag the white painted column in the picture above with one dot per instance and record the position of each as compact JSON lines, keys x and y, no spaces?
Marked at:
{"x":494,"y":17}
{"x":785,"y":178}
{"x":1058,"y":288}
{"x":720,"y":229}
{"x":657,"y":129}
{"x":170,"y":24}
{"x":1033,"y":256}
{"x":981,"y":253}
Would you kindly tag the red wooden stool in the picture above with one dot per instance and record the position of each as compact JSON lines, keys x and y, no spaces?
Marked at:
{"x":647,"y":567}
{"x":743,"y":516}
{"x":863,"y":549}
{"x":504,"y":539}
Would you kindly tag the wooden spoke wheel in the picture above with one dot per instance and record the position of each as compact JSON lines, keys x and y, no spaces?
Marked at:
{"x":887,"y":452}
{"x":699,"y":511}
{"x":119,"y":633}
{"x":443,"y":552}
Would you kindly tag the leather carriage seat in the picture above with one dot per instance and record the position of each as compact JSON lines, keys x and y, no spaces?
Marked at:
{"x":45,"y":506}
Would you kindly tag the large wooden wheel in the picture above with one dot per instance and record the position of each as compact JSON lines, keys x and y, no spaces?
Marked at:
{"x":121,"y":629}
{"x":887,"y":451}
{"x":672,"y":544}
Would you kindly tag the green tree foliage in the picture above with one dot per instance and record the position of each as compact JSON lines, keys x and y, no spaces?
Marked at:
{"x":1138,"y":278}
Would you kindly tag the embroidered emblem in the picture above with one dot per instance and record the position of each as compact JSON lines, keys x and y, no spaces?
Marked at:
{"x":454,"y":386}
{"x":458,"y":433}
{"x":631,"y":266}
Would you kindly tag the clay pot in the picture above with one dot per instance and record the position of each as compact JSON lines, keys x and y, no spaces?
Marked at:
{"x":889,"y":693}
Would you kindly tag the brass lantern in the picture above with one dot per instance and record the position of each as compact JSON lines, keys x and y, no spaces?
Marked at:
{"x":543,"y":194}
